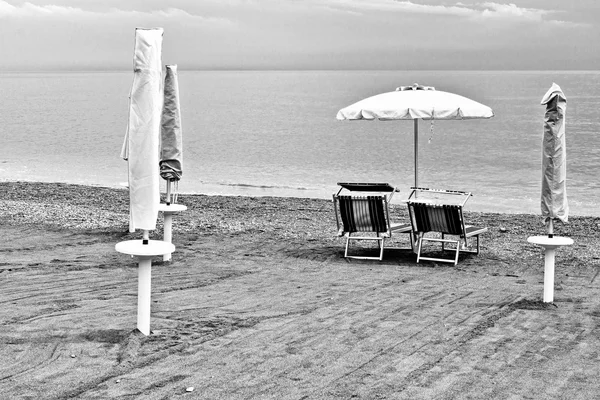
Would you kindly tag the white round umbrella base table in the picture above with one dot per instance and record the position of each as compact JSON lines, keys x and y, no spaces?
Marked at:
{"x":144,"y":252}
{"x":137,"y":248}
{"x":168,"y":210}
{"x":552,"y":242}
{"x":549,"y":244}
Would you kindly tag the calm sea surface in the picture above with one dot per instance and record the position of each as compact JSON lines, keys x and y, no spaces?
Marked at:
{"x":275,"y":133}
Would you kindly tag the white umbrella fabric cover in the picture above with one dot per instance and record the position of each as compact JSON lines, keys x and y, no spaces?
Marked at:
{"x":554,"y":204}
{"x":554,"y":179}
{"x":415,"y":102}
{"x":141,"y":145}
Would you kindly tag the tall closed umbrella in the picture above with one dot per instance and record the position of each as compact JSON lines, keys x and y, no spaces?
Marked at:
{"x":554,"y":203}
{"x":171,"y":152}
{"x":140,"y":147}
{"x":415,"y":102}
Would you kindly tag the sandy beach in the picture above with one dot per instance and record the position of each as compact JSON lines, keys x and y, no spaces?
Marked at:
{"x":258,"y":302}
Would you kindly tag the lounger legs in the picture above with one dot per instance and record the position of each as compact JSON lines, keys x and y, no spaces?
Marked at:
{"x":380,"y":240}
{"x":443,"y":240}
{"x":457,"y":251}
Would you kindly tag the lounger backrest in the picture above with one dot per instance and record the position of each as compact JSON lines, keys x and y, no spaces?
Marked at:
{"x":363,"y":213}
{"x":444,"y":218}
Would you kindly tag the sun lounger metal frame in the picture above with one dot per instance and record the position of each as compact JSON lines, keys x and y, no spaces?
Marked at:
{"x":447,"y":219}
{"x":367,"y":214}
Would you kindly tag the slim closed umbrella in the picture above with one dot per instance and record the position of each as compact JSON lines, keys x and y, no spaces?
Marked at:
{"x":554,"y":158}
{"x":140,"y":147}
{"x":171,"y":153}
{"x":554,"y":182}
{"x":415,"y":102}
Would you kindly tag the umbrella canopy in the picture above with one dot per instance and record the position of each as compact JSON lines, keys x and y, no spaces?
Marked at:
{"x":415,"y":102}
{"x":171,"y":145}
{"x":140,"y":147}
{"x":554,"y":203}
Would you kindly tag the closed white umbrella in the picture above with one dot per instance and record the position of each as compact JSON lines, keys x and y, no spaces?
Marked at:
{"x":554,"y":202}
{"x":415,"y":102}
{"x":171,"y":144}
{"x":171,"y":151}
{"x":140,"y":147}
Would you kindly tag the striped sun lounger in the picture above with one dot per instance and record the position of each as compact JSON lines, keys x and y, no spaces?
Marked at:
{"x":445,"y":219}
{"x":366,"y":215}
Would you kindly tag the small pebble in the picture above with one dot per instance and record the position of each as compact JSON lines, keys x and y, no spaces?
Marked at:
{"x":190,"y":389}
{"x":503,"y":230}
{"x":118,"y":380}
{"x":73,"y":356}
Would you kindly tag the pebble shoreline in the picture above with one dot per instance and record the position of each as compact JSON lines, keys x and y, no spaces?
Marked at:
{"x":70,"y":206}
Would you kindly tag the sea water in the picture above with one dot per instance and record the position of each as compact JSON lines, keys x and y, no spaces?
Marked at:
{"x":274,"y":133}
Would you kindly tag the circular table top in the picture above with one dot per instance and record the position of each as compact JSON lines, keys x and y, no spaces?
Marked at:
{"x":137,"y":248}
{"x":550,"y":242}
{"x":173,"y":207}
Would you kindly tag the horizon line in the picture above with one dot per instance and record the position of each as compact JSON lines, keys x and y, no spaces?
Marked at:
{"x":91,"y":70}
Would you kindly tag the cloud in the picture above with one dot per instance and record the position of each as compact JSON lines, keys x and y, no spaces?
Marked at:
{"x":400,"y":6}
{"x":484,"y":11}
{"x":175,"y":14}
{"x":32,"y":11}
{"x":511,"y":11}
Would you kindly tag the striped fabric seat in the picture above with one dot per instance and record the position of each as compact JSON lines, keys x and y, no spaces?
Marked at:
{"x":445,"y":219}
{"x":363,"y":213}
{"x":366,"y":214}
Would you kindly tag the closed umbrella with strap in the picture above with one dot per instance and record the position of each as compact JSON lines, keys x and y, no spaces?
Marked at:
{"x":140,"y":149}
{"x":554,"y":203}
{"x":171,"y":153}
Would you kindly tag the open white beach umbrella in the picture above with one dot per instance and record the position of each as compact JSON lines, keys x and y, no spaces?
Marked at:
{"x":140,"y":147}
{"x":415,"y":102}
{"x":554,"y":203}
{"x":171,"y":144}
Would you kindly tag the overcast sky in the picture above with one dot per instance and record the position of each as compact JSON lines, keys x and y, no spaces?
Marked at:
{"x":304,"y":34}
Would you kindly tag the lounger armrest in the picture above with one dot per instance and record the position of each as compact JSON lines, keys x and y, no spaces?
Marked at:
{"x":400,"y":228}
{"x":471,"y":230}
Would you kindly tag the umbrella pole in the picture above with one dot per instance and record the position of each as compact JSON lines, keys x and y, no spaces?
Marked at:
{"x":144,"y":294}
{"x":416,"y":143}
{"x":549,"y":256}
{"x":168,"y":200}
{"x":168,"y":231}
{"x":144,"y":278}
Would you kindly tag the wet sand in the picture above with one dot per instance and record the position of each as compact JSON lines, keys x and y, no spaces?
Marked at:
{"x":259,"y":303}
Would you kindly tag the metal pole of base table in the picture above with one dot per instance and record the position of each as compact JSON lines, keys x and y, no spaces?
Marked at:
{"x":549,"y":244}
{"x":168,"y":210}
{"x":144,"y":253}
